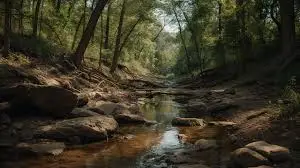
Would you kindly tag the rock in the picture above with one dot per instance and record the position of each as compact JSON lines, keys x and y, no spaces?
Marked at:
{"x":83,"y":100}
{"x":25,"y":135}
{"x":47,"y":100}
{"x":82,"y":112}
{"x":231,"y":91}
{"x":204,"y":144}
{"x":109,"y":108}
{"x":132,"y":119}
{"x":196,"y":105}
{"x":263,"y":166}
{"x":18,"y":125}
{"x":222,"y":123}
{"x":182,"y":137}
{"x":244,"y":158}
{"x":224,"y":105}
{"x":5,"y":107}
{"x":45,"y":148}
{"x":188,"y":122}
{"x":96,"y":110}
{"x":273,"y":152}
{"x":75,"y":140}
{"x":4,"y":119}
{"x":192,"y":166}
{"x":180,"y":158}
{"x":87,"y":128}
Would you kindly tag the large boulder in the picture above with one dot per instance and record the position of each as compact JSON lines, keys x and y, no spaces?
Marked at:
{"x":43,"y":148}
{"x":88,"y":129}
{"x":274,"y":153}
{"x":47,"y":100}
{"x":188,"y":122}
{"x":244,"y":158}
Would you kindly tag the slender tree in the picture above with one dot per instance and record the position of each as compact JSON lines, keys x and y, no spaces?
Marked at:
{"x":36,"y":18}
{"x":106,"y":41}
{"x":7,"y":27}
{"x":118,"y":39}
{"x":86,"y":36}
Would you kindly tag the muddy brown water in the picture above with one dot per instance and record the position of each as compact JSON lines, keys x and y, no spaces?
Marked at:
{"x":139,"y":146}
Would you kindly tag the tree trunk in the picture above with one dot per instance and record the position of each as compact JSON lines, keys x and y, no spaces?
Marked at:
{"x":76,"y":31}
{"x":41,"y":19}
{"x":287,"y":15}
{"x":36,"y":18}
{"x":129,"y":33}
{"x":21,"y":17}
{"x":182,"y":40}
{"x":118,"y":39}
{"x":101,"y":41}
{"x":7,"y":30}
{"x":84,"y":16}
{"x":273,"y":17}
{"x":79,"y":54}
{"x":106,"y":41}
{"x":241,"y":18}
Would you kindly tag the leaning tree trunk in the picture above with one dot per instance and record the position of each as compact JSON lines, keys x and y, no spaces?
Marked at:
{"x":86,"y":36}
{"x":36,"y":18}
{"x":118,"y":39}
{"x":7,"y":28}
{"x":288,"y":34}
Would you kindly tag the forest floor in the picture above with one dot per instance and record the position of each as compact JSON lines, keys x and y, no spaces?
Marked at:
{"x":253,"y":105}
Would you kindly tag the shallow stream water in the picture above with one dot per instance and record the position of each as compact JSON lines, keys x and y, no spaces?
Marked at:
{"x":139,"y":146}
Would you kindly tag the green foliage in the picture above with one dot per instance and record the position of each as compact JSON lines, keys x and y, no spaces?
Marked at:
{"x":292,"y":97}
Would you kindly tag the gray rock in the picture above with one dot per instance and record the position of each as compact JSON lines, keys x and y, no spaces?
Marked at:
{"x":82,"y":112}
{"x":263,"y":166}
{"x":132,"y":119}
{"x":45,"y":148}
{"x":204,"y":144}
{"x":87,"y":128}
{"x":273,"y":152}
{"x":244,"y":158}
{"x":48,"y":100}
{"x":192,"y":166}
{"x":196,"y":105}
{"x":188,"y":122}
{"x":108,"y":108}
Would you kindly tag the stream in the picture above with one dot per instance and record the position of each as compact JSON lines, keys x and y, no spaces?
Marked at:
{"x":144,"y":146}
